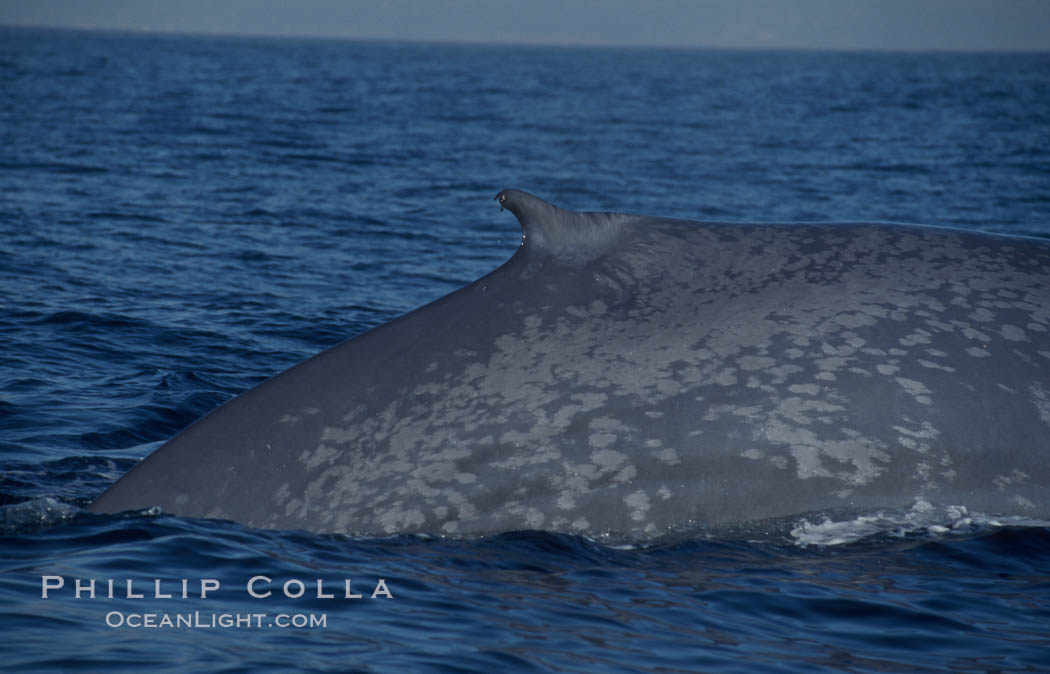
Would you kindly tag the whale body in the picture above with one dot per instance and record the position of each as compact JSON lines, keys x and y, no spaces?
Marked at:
{"x":632,"y":374}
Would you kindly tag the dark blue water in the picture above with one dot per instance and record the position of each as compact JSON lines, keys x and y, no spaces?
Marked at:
{"x":182,"y":217}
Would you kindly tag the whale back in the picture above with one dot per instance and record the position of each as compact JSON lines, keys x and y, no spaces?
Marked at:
{"x":634,"y":374}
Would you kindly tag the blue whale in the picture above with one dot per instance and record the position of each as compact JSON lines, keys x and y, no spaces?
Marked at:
{"x":633,"y":375}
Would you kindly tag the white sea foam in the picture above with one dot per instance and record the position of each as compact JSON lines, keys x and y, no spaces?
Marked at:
{"x":35,"y":514}
{"x":921,"y":518}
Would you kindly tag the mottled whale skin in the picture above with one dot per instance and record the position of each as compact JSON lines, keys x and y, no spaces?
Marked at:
{"x":630,"y":374}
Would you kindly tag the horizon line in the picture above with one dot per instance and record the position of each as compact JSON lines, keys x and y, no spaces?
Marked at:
{"x":539,"y":43}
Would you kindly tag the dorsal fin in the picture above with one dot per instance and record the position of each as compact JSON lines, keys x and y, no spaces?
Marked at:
{"x":567,"y":235}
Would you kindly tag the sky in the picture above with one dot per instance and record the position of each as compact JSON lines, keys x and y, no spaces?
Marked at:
{"x":976,"y":25}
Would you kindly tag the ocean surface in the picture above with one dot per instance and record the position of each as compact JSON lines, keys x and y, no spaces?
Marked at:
{"x":182,"y":217}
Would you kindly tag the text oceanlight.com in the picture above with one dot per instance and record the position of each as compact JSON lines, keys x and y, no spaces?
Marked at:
{"x":206,"y":620}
